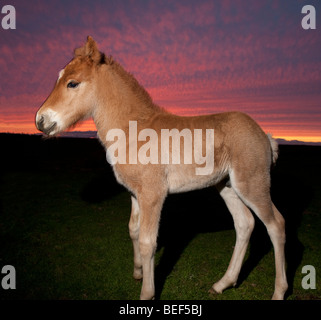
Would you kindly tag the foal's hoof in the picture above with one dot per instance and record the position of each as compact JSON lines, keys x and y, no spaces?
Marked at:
{"x":213,"y":291}
{"x":138,"y":278}
{"x":147,"y":297}
{"x":138,"y":274}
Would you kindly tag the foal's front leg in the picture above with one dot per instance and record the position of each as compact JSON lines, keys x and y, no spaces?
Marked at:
{"x":134,"y":224}
{"x":150,"y":206}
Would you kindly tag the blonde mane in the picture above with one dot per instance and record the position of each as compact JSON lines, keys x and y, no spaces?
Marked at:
{"x":128,"y":79}
{"x":134,"y":85}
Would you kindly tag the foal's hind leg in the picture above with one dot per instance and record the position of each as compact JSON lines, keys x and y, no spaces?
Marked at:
{"x":256,"y":195}
{"x":277,"y":235}
{"x":134,"y":224}
{"x":244,"y":224}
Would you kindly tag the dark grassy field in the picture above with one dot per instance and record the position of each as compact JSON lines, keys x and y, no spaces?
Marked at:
{"x":64,"y":218}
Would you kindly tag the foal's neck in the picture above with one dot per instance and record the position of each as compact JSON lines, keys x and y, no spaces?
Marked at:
{"x":121,"y":99}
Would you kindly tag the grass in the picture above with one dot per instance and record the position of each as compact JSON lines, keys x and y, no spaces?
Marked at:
{"x":63,"y":226}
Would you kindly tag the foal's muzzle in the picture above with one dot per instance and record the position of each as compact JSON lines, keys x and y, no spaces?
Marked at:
{"x":45,"y":127}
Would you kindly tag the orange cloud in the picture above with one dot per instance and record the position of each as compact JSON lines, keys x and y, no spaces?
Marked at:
{"x":194,"y":58}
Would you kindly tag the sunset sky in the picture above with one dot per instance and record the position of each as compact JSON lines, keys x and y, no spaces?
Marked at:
{"x":193,"y":57}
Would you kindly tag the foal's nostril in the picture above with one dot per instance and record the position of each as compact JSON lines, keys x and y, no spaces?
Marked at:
{"x":40,"y":122}
{"x":45,"y":125}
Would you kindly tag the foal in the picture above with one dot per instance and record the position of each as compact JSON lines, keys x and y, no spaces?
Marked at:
{"x":94,"y":85}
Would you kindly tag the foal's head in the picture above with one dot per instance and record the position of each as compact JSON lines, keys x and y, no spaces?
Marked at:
{"x":73,"y":96}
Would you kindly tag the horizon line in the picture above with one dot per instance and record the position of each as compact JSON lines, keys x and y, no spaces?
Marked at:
{"x":92,"y":134}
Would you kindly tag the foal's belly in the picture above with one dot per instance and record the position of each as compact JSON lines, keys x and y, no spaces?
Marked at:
{"x":182,"y":179}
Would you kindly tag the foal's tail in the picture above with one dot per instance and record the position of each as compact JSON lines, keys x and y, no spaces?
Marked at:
{"x":274,"y":148}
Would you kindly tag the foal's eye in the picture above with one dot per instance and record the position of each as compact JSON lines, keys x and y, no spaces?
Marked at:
{"x":73,"y":84}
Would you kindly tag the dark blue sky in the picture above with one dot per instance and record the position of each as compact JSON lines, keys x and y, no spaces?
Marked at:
{"x":194,"y":57}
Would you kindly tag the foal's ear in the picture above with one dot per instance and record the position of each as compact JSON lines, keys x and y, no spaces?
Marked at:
{"x":91,"y":50}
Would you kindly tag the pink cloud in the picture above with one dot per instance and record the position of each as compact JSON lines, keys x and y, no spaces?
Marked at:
{"x":193,"y":57}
